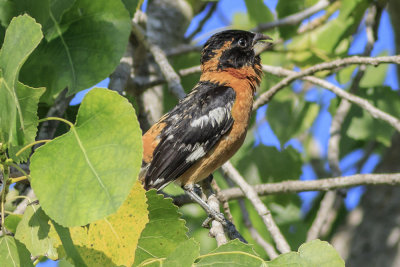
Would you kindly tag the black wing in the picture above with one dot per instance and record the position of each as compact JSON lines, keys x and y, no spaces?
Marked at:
{"x":194,"y":126}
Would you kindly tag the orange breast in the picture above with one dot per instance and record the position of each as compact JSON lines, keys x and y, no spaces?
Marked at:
{"x":231,"y":141}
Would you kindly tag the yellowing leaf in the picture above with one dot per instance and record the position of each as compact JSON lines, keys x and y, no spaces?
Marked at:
{"x":113,"y":240}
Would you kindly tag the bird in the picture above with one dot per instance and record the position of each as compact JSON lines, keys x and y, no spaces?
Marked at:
{"x":207,"y":127}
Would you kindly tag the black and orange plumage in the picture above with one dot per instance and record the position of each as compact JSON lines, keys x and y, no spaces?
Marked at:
{"x":209,"y":125}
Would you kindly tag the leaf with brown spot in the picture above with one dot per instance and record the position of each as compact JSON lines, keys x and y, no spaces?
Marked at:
{"x":113,"y":240}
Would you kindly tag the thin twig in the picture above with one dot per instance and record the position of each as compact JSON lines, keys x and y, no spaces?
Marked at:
{"x":182,"y":49}
{"x":339,"y":63}
{"x":323,"y":211}
{"x":269,"y":249}
{"x":173,"y":80}
{"x":191,"y":70}
{"x":212,"y":7}
{"x":294,"y":18}
{"x":320,"y":20}
{"x":295,"y":186}
{"x":261,"y":209}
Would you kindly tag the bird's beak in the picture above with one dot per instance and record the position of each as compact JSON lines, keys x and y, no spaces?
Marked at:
{"x":258,"y":46}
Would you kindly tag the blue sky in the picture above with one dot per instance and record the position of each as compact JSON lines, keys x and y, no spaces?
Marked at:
{"x":320,"y":129}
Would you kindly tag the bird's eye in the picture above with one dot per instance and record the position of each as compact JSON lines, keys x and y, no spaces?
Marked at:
{"x":242,"y":42}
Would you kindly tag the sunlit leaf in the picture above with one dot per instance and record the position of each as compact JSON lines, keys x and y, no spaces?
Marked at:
{"x":22,"y":36}
{"x":11,"y":222}
{"x":184,"y":255}
{"x":315,"y":253}
{"x":112,"y":240}
{"x":234,"y":253}
{"x":164,"y":231}
{"x":28,"y":98}
{"x":87,"y":173}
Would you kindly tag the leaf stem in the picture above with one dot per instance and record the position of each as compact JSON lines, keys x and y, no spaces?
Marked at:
{"x":17,"y":179}
{"x":6,"y":172}
{"x":57,"y":119}
{"x":30,"y":145}
{"x":36,"y":262}
{"x":21,"y":197}
{"x":230,"y":252}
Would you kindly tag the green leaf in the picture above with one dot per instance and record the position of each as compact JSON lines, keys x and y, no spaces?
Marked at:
{"x":11,"y":222}
{"x":164,"y":231}
{"x":87,"y":173}
{"x":91,"y":39}
{"x":285,"y":8}
{"x":22,"y":36}
{"x":258,"y":12}
{"x":184,"y":255}
{"x":46,"y":12}
{"x":329,"y":40}
{"x":33,"y":232}
{"x":13,"y":253}
{"x":363,"y":126}
{"x":64,"y":263}
{"x":268,"y":164}
{"x":374,"y":76}
{"x":28,"y":98}
{"x":344,"y":75}
{"x":131,"y":6}
{"x":7,"y":12}
{"x":315,"y":253}
{"x":234,"y":253}
{"x":288,"y":116}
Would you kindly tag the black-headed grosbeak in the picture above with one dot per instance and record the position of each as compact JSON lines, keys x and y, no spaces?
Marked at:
{"x":209,"y":125}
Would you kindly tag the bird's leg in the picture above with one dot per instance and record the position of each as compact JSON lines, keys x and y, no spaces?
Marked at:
{"x":213,"y":214}
{"x":190,"y":191}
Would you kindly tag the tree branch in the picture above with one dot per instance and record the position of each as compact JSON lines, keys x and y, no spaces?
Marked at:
{"x":331,"y":202}
{"x":216,"y":230}
{"x":327,"y":184}
{"x":339,"y":63}
{"x":294,"y":18}
{"x":261,"y":209}
{"x":212,"y":8}
{"x":173,"y":80}
{"x":361,"y":102}
{"x":295,"y":186}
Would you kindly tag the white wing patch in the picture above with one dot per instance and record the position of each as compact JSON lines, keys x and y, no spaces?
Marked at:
{"x":195,"y":155}
{"x":215,"y":116}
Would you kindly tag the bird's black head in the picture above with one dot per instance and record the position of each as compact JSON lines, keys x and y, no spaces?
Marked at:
{"x":232,"y":49}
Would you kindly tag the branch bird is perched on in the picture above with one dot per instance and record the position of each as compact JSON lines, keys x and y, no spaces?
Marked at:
{"x":209,"y":125}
